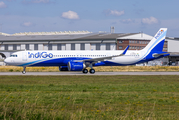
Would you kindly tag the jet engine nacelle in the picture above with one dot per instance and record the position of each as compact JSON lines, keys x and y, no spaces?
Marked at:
{"x":76,"y":66}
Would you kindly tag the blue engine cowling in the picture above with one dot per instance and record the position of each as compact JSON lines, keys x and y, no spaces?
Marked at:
{"x":76,"y":66}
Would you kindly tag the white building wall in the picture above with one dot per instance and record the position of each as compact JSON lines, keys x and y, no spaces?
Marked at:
{"x":112,"y":46}
{"x":22,"y":46}
{"x":77,"y":47}
{"x":40,"y":46}
{"x":18,"y":47}
{"x":87,"y":46}
{"x":93,"y":46}
{"x":103,"y":46}
{"x":54,"y":46}
{"x":63,"y":47}
{"x":2,"y":47}
{"x":173,"y":46}
{"x":45,"y":47}
{"x":68,"y":46}
{"x":31,"y":46}
{"x":10,"y":47}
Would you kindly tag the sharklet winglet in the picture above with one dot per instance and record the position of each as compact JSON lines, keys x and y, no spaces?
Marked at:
{"x":125,"y":50}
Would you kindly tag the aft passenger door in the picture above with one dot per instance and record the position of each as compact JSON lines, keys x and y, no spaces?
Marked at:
{"x":24,"y":56}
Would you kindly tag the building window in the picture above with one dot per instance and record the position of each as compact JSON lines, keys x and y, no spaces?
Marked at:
{"x":59,"y":47}
{"x":35,"y":46}
{"x":73,"y":46}
{"x":49,"y":46}
{"x":120,"y":41}
{"x":165,"y":43}
{"x":120,"y":47}
{"x":14,"y":47}
{"x":97,"y":46}
{"x":165,"y":49}
{"x":6,"y":47}
{"x":107,"y":46}
{"x":82,"y":46}
{"x":27,"y":46}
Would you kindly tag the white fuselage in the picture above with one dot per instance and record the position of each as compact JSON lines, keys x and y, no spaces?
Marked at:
{"x":57,"y":58}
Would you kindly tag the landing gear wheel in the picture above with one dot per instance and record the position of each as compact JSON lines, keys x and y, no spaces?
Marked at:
{"x":92,"y":71}
{"x":23,"y":72}
{"x":85,"y":71}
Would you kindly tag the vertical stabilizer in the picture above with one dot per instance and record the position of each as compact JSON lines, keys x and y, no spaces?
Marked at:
{"x":156,"y":44}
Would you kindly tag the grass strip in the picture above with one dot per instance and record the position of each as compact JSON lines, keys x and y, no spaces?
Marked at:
{"x":89,"y":97}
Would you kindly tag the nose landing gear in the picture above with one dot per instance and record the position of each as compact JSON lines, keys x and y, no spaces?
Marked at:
{"x":24,"y":72}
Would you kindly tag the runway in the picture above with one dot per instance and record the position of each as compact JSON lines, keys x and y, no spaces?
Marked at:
{"x":97,"y":73}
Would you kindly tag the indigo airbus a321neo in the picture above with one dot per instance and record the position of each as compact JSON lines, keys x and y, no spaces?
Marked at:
{"x":80,"y":60}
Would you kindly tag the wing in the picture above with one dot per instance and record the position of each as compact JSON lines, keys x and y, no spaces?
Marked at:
{"x":103,"y":58}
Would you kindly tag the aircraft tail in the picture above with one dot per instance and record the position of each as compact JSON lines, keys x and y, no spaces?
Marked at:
{"x":156,"y":44}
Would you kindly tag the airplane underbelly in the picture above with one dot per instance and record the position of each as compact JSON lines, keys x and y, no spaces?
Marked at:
{"x":126,"y":60}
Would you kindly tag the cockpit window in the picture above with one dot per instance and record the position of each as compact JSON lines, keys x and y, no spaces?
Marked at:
{"x":13,"y":56}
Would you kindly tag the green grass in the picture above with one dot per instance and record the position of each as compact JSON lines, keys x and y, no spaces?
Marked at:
{"x":89,"y":97}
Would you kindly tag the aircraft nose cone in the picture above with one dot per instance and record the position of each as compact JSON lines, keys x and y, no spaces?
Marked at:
{"x":6,"y":60}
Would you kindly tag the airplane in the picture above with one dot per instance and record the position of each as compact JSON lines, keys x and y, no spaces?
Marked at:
{"x":80,"y":60}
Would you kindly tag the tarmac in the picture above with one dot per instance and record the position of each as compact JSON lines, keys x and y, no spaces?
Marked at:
{"x":80,"y":73}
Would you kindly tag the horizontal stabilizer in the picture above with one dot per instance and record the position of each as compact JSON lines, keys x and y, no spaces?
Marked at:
{"x":158,"y":55}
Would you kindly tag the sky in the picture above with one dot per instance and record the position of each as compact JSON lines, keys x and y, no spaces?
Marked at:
{"x":127,"y":16}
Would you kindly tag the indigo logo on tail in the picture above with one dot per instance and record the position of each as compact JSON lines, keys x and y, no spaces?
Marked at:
{"x":158,"y":34}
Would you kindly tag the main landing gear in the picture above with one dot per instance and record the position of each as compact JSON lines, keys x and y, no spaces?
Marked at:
{"x":24,"y":72}
{"x":92,"y":71}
